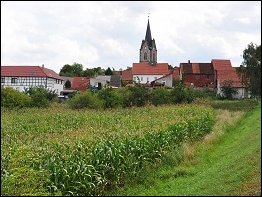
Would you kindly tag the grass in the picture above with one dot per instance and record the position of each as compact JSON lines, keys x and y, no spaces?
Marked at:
{"x":227,"y":162}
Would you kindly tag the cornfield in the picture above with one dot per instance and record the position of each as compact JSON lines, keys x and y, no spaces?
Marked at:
{"x":59,"y":151}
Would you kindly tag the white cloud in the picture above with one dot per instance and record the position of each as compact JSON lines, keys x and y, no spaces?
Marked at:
{"x":109,"y":33}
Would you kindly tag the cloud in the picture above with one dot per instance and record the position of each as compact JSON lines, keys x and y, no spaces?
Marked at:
{"x":109,"y":33}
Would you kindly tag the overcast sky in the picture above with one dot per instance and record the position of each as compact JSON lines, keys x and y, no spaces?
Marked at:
{"x":109,"y":33}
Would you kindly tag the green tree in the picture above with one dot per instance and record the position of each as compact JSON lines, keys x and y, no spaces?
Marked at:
{"x":66,"y":70}
{"x":251,"y":73}
{"x":170,"y":66}
{"x":75,"y":70}
{"x":68,"y":84}
{"x":89,"y":72}
{"x":108,"y":71}
{"x":99,"y":71}
{"x":78,"y":70}
{"x":227,"y":89}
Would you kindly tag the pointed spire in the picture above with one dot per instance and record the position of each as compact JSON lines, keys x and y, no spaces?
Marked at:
{"x":148,"y":37}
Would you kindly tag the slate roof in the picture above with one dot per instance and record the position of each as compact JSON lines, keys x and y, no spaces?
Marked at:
{"x":145,"y":68}
{"x":28,"y":71}
{"x":148,"y":36}
{"x":115,"y":80}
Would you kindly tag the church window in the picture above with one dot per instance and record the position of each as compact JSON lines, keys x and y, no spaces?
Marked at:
{"x":145,"y":56}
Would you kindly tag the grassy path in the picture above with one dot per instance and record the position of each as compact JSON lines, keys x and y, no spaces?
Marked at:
{"x":228,"y":167}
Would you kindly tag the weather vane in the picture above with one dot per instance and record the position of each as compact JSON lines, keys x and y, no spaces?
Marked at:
{"x":148,"y":14}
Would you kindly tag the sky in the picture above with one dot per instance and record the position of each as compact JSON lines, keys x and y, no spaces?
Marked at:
{"x":109,"y":33}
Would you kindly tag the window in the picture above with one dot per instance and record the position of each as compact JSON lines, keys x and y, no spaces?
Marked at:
{"x":2,"y":80}
{"x":154,"y":59}
{"x":141,"y":78}
{"x":208,"y":77}
{"x":155,"y":78}
{"x":134,"y":78}
{"x":197,"y":77}
{"x":145,"y":56}
{"x":13,"y":80}
{"x":147,"y":79}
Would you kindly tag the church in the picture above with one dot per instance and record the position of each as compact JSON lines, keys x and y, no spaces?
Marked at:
{"x":148,"y":70}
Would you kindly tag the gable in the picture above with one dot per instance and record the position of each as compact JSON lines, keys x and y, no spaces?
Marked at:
{"x":220,"y":64}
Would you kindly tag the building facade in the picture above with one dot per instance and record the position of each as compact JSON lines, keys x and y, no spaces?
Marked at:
{"x":23,"y":77}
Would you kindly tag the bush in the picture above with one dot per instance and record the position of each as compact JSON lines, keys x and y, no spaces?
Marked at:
{"x":12,"y":98}
{"x":138,"y":96}
{"x":110,"y":97}
{"x":39,"y":100}
{"x":85,"y":100}
{"x":47,"y":93}
{"x":159,"y":96}
{"x":177,"y":94}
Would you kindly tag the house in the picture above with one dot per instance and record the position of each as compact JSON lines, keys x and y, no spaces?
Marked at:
{"x":127,"y":77}
{"x":21,"y":77}
{"x":100,"y":81}
{"x":197,"y":75}
{"x":223,"y":71}
{"x":175,"y":72}
{"x":80,"y":83}
{"x":145,"y":72}
{"x":165,"y":81}
{"x":115,"y":81}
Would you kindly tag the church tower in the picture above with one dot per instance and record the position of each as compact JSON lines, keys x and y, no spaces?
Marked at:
{"x":148,"y":51}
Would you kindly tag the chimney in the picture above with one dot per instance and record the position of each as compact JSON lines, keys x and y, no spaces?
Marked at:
{"x":189,"y":61}
{"x":43,"y":65}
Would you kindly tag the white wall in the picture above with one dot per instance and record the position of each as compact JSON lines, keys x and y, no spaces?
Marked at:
{"x":26,"y":82}
{"x":144,"y":78}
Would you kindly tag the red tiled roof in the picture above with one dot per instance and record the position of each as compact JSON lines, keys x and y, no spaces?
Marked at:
{"x":225,"y":71}
{"x":127,"y":75}
{"x":176,"y":73}
{"x":229,"y":74}
{"x":28,"y":71}
{"x":80,"y":82}
{"x":146,"y":69}
{"x":197,"y":68}
{"x":220,"y":64}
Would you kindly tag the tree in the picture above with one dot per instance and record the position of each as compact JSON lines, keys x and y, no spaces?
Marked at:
{"x":250,"y":73}
{"x":99,"y":71}
{"x":78,"y":70}
{"x":89,"y":72}
{"x":75,"y":70}
{"x":108,"y":71}
{"x":227,"y":89}
{"x":67,"y":84}
{"x":66,"y":70}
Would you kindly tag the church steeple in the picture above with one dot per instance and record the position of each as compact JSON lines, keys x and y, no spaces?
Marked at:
{"x":148,"y":37}
{"x":148,"y":51}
